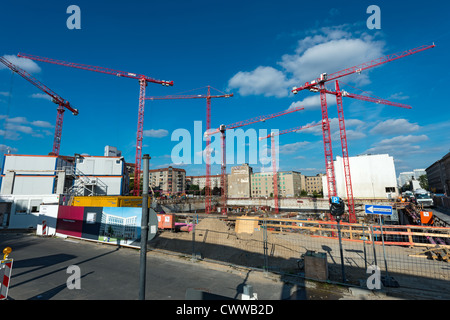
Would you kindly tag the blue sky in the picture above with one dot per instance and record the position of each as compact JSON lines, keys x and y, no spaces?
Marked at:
{"x":256,"y":50}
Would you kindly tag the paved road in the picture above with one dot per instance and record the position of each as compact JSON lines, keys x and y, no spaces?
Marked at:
{"x":107,"y":273}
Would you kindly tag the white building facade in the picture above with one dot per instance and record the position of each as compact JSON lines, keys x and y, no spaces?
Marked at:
{"x":96,"y":175}
{"x":373,"y":177}
{"x":31,"y":174}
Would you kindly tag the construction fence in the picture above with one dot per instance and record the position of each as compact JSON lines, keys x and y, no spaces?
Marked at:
{"x":407,"y":256}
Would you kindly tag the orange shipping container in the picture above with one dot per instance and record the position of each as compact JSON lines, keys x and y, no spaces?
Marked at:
{"x":166,"y":221}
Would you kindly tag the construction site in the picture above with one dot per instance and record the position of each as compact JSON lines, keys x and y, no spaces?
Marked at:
{"x":256,"y":220}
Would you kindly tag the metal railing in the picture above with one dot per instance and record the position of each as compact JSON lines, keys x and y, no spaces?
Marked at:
{"x":84,"y":183}
{"x":411,"y":255}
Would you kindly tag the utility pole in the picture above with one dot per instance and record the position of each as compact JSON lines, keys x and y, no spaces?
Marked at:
{"x":144,"y":229}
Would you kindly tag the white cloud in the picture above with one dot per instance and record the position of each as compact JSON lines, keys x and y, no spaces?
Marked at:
{"x":403,"y":140}
{"x":398,"y":146}
{"x":160,"y":133}
{"x":9,"y":135}
{"x":329,"y":50}
{"x":7,"y":149}
{"x":292,"y":148}
{"x":395,"y":126}
{"x":19,"y":128}
{"x":23,"y":63}
{"x":41,"y":96}
{"x":17,"y":125}
{"x":350,"y":135}
{"x":313,"y":102}
{"x":398,"y":96}
{"x":331,"y":56}
{"x":354,"y":129}
{"x":41,"y":124}
{"x":265,"y":81}
{"x":17,"y":120}
{"x":166,"y":165}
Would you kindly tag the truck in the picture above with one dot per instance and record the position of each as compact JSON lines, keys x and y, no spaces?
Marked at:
{"x":423,"y":198}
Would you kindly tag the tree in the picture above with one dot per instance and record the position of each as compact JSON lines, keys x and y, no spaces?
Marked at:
{"x":423,"y":181}
{"x":406,"y":187}
{"x":193,"y":189}
{"x":216,"y":191}
{"x":132,"y":183}
{"x":304,"y":193}
{"x":317,"y":194}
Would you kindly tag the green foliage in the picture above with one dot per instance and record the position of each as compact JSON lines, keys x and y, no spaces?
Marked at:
{"x":423,"y":181}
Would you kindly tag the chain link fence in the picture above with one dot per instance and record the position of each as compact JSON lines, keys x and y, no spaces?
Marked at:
{"x":407,"y":256}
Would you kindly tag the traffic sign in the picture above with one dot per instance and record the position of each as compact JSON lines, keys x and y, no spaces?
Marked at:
{"x":335,"y":200}
{"x":383,"y":210}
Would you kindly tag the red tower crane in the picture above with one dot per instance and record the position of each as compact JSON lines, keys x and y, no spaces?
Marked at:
{"x":143,"y":81}
{"x":345,"y":156}
{"x":223,"y":128}
{"x":274,"y":158}
{"x":208,"y":98}
{"x":62,"y":103}
{"x":318,"y":85}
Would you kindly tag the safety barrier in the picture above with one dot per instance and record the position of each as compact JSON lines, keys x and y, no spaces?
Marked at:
{"x":5,"y":273}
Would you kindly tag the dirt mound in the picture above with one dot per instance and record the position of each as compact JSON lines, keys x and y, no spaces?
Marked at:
{"x":212,"y":225}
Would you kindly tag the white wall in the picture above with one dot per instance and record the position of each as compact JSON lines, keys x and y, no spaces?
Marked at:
{"x":32,"y":209}
{"x":49,"y":214}
{"x":33,"y":185}
{"x":33,"y":174}
{"x":32,"y":163}
{"x":370,"y":175}
{"x":98,"y":166}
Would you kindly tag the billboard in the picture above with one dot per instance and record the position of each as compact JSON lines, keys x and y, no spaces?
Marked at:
{"x":118,"y":225}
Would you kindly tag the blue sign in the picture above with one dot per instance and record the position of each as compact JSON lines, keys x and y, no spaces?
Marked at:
{"x":335,"y":200}
{"x":384,"y":210}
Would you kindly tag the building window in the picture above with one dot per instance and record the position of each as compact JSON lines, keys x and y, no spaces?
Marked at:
{"x":21,"y":206}
{"x":35,"y":205}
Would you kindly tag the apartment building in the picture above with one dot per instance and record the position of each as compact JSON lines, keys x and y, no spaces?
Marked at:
{"x":169,"y":180}
{"x":314,"y":184}
{"x":200,"y":181}
{"x":438,"y":175}
{"x":239,"y":182}
{"x":290,"y":184}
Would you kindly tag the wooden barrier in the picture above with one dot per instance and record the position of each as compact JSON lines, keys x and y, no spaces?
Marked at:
{"x":354,"y":232}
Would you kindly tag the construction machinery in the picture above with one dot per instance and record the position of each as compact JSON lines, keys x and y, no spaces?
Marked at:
{"x":208,"y":98}
{"x":143,"y":81}
{"x":62,"y":103}
{"x":223,"y":128}
{"x":318,"y":85}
